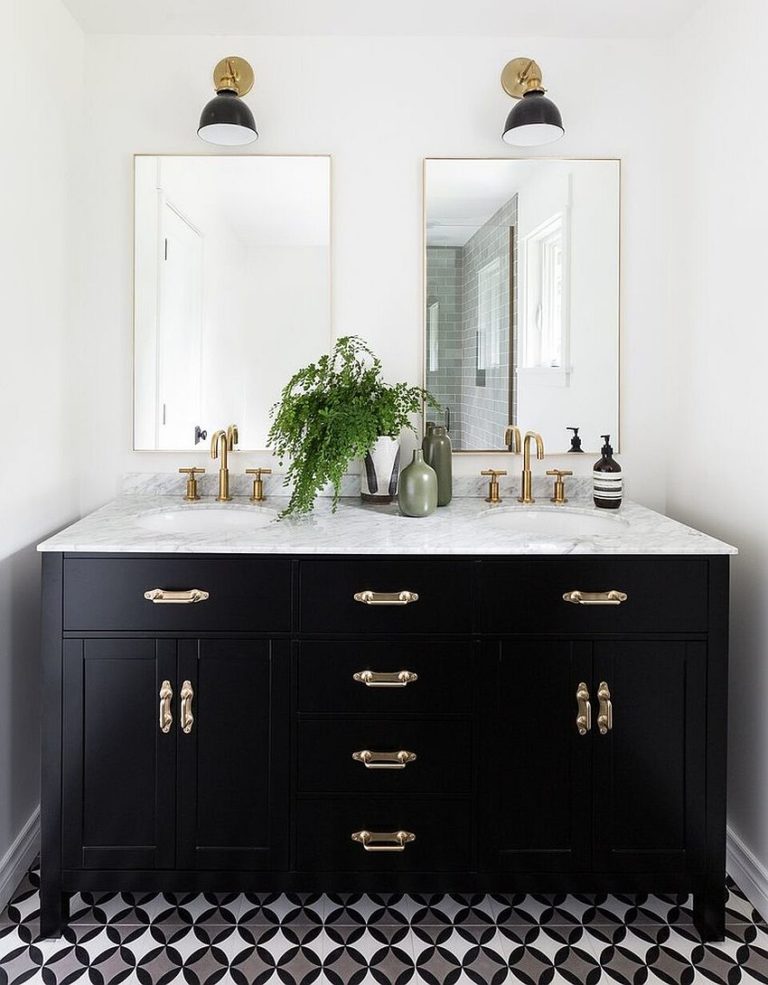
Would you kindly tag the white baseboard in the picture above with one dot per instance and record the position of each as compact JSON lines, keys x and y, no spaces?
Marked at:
{"x":19,"y":857}
{"x":749,"y":874}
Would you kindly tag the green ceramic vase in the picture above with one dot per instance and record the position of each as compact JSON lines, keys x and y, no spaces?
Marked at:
{"x":417,"y":491}
{"x":438,"y":454}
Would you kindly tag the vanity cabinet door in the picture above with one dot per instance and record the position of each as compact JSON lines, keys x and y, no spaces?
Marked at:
{"x":649,"y":766}
{"x":119,"y":766}
{"x":233,"y":754}
{"x":536,"y":765}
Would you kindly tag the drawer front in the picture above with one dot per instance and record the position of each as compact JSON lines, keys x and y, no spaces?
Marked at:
{"x":442,"y":829}
{"x":244,"y":594}
{"x":442,"y":751}
{"x":445,"y":677}
{"x":664,"y":595}
{"x":328,"y":589}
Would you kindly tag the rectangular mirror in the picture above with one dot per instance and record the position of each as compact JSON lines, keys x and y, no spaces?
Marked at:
{"x":521,"y":307}
{"x":232,"y":291}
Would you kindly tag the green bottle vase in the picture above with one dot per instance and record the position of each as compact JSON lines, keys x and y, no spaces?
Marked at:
{"x":417,"y":492}
{"x":438,"y":454}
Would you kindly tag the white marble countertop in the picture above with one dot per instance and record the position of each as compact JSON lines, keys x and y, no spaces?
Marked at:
{"x":147,"y":523}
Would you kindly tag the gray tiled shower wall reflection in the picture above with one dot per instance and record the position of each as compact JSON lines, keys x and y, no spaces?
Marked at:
{"x":480,"y":408}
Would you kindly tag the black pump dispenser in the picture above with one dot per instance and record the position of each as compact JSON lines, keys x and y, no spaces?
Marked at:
{"x":575,"y":441}
{"x":607,"y":478}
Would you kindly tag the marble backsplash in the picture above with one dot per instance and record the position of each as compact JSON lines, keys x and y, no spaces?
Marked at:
{"x":578,"y":488}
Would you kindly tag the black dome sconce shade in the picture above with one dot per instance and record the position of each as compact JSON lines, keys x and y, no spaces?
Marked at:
{"x":226,"y":119}
{"x":535,"y":119}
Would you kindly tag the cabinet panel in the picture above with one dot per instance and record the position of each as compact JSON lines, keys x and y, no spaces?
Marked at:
{"x":245,"y":594}
{"x":525,"y":595}
{"x":443,"y":749}
{"x":537,"y":767}
{"x":119,"y":770}
{"x":649,"y":786}
{"x":327,"y":603}
{"x":446,"y":677}
{"x":233,"y":761}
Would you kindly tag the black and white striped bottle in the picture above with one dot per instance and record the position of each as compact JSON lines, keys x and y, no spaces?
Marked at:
{"x":607,"y":478}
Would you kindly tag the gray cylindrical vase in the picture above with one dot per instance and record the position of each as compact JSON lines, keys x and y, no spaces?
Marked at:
{"x":438,"y":453}
{"x":417,"y":493}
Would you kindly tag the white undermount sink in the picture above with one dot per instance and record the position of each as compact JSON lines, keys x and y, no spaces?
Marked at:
{"x":208,"y":520}
{"x":554,"y":522}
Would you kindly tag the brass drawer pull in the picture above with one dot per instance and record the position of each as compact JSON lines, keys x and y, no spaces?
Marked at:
{"x":613,"y":597}
{"x":374,"y":678}
{"x":161,"y":596}
{"x":384,"y":760}
{"x":386,"y":598}
{"x":383,"y":841}
{"x":187,"y":718}
{"x":166,"y":696}
{"x":605,"y":712}
{"x":584,"y":713}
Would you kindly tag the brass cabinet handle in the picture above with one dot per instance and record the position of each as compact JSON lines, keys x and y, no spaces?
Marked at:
{"x":162,"y":596}
{"x":605,"y":711}
{"x":166,"y":718}
{"x":584,"y":713}
{"x":386,"y":598}
{"x":383,"y":841}
{"x":187,"y":718}
{"x":613,"y":597}
{"x":384,"y":760}
{"x":374,"y":678}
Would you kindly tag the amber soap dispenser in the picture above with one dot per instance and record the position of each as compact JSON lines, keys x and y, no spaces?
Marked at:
{"x":607,"y":480}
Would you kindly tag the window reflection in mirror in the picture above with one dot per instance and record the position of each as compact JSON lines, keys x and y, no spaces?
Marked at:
{"x":232,"y":290}
{"x":522,"y":298}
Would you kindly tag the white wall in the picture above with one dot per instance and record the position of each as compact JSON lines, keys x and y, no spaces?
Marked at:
{"x":378,"y":106}
{"x":41,"y":50}
{"x":717,"y":465}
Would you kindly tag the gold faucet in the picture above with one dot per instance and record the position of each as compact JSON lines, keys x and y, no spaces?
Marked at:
{"x":222,"y":443}
{"x":526,"y":486}
{"x":512,"y":438}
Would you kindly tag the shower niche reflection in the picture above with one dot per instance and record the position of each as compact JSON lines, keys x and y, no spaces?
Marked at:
{"x":522,"y":298}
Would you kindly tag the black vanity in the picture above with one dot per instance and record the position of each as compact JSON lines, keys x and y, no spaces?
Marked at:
{"x":532,"y":740}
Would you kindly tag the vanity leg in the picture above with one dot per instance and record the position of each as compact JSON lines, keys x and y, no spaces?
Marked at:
{"x":709,"y":913}
{"x":54,"y":909}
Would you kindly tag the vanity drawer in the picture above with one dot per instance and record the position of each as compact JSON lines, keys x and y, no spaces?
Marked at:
{"x":443,"y":830}
{"x":443,"y":751}
{"x":244,"y":594}
{"x":445,"y":683}
{"x":328,"y":589}
{"x":664,"y":595}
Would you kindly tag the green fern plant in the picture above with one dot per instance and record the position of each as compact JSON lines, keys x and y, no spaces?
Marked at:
{"x":332,"y":412}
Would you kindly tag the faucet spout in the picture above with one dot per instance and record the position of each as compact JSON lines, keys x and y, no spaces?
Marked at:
{"x":512,"y":438}
{"x":526,"y":483}
{"x":220,"y":448}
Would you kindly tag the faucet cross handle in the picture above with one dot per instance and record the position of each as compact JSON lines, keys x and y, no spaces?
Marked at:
{"x":191,"y":494}
{"x":257,"y":496}
{"x":558,"y":494}
{"x":493,"y":486}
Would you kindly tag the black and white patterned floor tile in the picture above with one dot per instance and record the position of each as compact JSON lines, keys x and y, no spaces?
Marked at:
{"x":247,"y":939}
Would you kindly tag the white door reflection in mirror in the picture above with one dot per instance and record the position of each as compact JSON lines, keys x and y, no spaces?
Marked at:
{"x":232,"y":290}
{"x":522,"y":262}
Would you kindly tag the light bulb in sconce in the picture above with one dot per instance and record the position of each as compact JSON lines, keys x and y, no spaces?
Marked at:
{"x":226,"y":119}
{"x":535,"y":119}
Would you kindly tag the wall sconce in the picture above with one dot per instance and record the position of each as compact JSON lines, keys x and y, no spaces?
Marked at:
{"x":535,"y":119}
{"x":226,"y":119}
